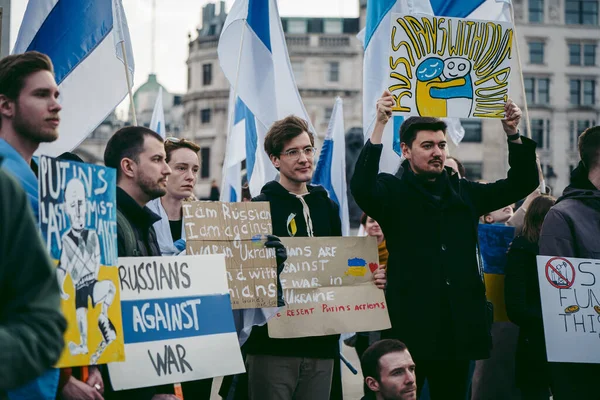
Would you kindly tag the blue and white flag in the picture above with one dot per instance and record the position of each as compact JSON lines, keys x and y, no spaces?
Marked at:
{"x":157,"y":122}
{"x":254,"y":57}
{"x":375,"y":39}
{"x":331,"y":167}
{"x":83,"y":40}
{"x":178,"y":324}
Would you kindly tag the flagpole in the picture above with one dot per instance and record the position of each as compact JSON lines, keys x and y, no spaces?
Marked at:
{"x":524,"y":95}
{"x":232,"y":112}
{"x":129,"y":90}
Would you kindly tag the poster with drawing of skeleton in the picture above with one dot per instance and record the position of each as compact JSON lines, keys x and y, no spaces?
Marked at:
{"x":79,"y":225}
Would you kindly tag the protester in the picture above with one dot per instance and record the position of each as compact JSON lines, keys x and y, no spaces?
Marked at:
{"x":138,"y":155}
{"x":518,"y":218}
{"x":183,"y":159}
{"x":29,"y":115}
{"x":456,"y":166}
{"x":500,"y":216}
{"x":572,"y":229}
{"x":523,"y":304}
{"x":299,"y":368}
{"x":429,"y":218}
{"x":32,"y":326}
{"x":389,"y":371}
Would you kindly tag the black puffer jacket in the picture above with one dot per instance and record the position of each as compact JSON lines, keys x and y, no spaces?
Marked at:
{"x":435,"y":293}
{"x":287,"y":215}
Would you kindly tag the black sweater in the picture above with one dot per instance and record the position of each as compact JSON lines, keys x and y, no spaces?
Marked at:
{"x":326,"y":222}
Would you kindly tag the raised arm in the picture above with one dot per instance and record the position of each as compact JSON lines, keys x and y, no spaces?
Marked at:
{"x":522,"y":177}
{"x":368,"y":190}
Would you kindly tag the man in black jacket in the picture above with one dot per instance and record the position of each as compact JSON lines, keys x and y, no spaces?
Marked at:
{"x":138,"y":154}
{"x":293,"y":368}
{"x":435,"y":293}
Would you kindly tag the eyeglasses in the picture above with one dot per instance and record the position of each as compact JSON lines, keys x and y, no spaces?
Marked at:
{"x":294,"y":154}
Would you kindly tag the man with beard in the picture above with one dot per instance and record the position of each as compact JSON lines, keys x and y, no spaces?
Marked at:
{"x":429,"y":218}
{"x":138,"y":154}
{"x":29,"y":115}
{"x":389,"y":371}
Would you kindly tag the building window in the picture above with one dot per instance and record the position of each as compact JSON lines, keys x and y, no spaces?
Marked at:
{"x":589,"y":92}
{"x":189,"y":76}
{"x":589,"y":54}
{"x":206,"y":74}
{"x":581,"y":12}
{"x":328,"y":112}
{"x":334,"y":72}
{"x":205,"y":115}
{"x":576,"y":128}
{"x":536,"y":11}
{"x":334,"y":26}
{"x":298,"y":70}
{"x":582,"y":92}
{"x":472,"y":129}
{"x":536,"y":52}
{"x":296,"y":26}
{"x":582,"y":54}
{"x":537,"y":90}
{"x":540,"y":133}
{"x":205,"y":160}
{"x":473,"y":170}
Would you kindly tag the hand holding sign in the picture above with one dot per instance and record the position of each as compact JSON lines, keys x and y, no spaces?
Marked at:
{"x":513,"y":117}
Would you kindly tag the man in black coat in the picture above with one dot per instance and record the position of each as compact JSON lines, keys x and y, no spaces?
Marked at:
{"x":429,"y":217}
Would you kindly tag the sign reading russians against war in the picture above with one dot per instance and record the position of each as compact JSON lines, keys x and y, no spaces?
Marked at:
{"x":78,"y":220}
{"x":235,"y":229}
{"x":449,"y":67}
{"x":570,"y":294}
{"x":177,"y":321}
{"x":328,"y":288}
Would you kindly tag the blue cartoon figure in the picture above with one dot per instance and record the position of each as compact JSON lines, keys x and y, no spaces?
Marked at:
{"x":459,"y":96}
{"x":433,"y":93}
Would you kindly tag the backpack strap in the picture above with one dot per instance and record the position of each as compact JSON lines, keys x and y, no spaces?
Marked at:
{"x":126,"y":230}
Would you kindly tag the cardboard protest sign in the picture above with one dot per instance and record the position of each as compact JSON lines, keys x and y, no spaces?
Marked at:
{"x":177,"y":321}
{"x":449,"y":67}
{"x":328,"y":288}
{"x":570,"y":294}
{"x":78,"y":220}
{"x":235,"y":229}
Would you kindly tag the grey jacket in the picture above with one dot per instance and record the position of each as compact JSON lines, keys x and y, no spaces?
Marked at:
{"x":572,"y":227}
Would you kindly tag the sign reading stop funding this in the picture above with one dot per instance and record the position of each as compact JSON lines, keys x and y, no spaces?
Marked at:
{"x":449,"y":67}
{"x":328,"y":288}
{"x":238,"y":231}
{"x":570,"y":294}
{"x":177,"y":321}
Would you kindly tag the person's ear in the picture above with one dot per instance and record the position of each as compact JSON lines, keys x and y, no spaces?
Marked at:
{"x":276,"y":161}
{"x":488,"y":219}
{"x":128,"y":167}
{"x":405,"y":150}
{"x":7,"y":106}
{"x":372,"y":384}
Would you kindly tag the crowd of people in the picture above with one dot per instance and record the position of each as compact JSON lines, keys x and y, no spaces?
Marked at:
{"x":425,"y":222}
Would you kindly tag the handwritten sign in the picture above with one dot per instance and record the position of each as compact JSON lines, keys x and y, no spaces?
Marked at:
{"x":328,"y":288}
{"x":234,"y":229}
{"x":78,"y":221}
{"x":570,"y":293}
{"x":177,"y":321}
{"x":449,"y":67}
